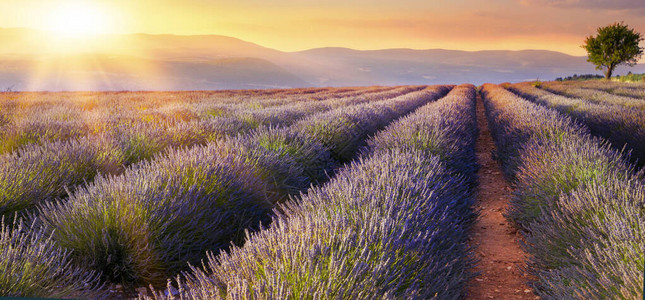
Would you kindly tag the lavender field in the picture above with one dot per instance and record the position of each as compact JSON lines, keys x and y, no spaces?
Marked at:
{"x":317,"y":193}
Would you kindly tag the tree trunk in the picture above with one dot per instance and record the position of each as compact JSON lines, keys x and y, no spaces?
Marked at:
{"x":610,"y":70}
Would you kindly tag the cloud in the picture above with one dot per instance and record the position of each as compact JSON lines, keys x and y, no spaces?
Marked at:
{"x":589,"y":4}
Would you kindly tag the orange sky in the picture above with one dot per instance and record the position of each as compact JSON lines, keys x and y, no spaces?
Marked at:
{"x":291,"y":25}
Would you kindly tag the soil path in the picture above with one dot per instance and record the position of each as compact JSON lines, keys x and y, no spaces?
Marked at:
{"x":500,"y":256}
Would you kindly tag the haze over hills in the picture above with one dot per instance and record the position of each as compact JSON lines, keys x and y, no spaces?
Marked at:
{"x":32,"y":60}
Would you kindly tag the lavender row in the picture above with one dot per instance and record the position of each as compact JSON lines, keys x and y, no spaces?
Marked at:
{"x":628,"y":89}
{"x":66,"y":119}
{"x":392,"y":224}
{"x":594,"y":95}
{"x":27,"y":118}
{"x":144,"y":225}
{"x":39,"y":173}
{"x":63,"y":116}
{"x":76,"y":114}
{"x":142,"y":141}
{"x":580,"y":202}
{"x":141,"y":135}
{"x":623,"y":127}
{"x":113,"y":102}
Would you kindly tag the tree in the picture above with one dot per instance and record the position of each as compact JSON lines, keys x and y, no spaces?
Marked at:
{"x":614,"y":45}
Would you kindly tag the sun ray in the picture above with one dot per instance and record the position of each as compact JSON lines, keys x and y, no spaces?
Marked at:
{"x":81,"y":53}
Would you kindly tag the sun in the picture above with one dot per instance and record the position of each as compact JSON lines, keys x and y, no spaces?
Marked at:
{"x":78,"y":19}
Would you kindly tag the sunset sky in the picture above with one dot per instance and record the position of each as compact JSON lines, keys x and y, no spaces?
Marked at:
{"x":291,"y":25}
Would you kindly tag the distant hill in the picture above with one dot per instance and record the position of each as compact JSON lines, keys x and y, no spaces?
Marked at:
{"x":32,"y":60}
{"x":437,"y":66}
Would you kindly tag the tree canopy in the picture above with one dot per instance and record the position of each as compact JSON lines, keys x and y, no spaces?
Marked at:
{"x":614,"y":45}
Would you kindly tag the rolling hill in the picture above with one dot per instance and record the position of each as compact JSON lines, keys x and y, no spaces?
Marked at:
{"x":32,"y":60}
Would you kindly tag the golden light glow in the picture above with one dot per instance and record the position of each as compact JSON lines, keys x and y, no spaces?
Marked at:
{"x":80,"y":51}
{"x":291,"y":25}
{"x":78,"y":19}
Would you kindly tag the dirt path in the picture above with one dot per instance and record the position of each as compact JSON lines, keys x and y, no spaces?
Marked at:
{"x":496,"y":240}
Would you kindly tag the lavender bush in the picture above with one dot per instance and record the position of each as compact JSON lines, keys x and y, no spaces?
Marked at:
{"x":153,"y":217}
{"x":442,"y":136}
{"x":33,"y":266}
{"x":57,"y":123}
{"x":40,"y":173}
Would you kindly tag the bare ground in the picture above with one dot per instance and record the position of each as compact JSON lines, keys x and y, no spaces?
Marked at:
{"x":501,"y":259}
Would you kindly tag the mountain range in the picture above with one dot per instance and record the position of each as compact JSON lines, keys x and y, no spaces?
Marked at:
{"x":37,"y":61}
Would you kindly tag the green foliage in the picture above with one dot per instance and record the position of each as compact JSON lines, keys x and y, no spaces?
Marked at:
{"x":631,"y":77}
{"x":615,"y":44}
{"x":580,"y":77}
